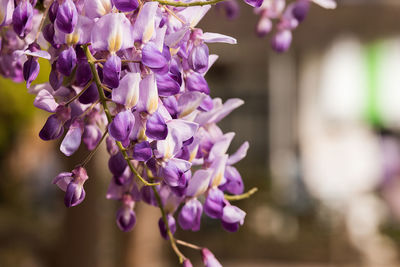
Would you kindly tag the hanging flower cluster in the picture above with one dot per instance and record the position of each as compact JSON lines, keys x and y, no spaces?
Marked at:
{"x":131,"y":73}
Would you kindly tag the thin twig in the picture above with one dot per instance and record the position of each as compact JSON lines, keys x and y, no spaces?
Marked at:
{"x":187,"y":244}
{"x":242,"y":196}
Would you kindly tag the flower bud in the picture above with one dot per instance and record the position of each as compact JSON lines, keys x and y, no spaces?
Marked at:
{"x":187,"y":263}
{"x":163,"y":228}
{"x":66,"y":61}
{"x":156,"y":128}
{"x":22,"y":18}
{"x":209,"y":259}
{"x":281,"y":41}
{"x":67,"y":16}
{"x":198,"y":58}
{"x":214,"y":204}
{"x":196,"y":82}
{"x":75,"y":193}
{"x":83,"y":73}
{"x":301,"y":9}
{"x":126,"y":217}
{"x":234,"y":183}
{"x":91,"y":136}
{"x":190,"y":215}
{"x":121,"y":126}
{"x":264,"y":26}
{"x":90,"y":95}
{"x":232,"y":217}
{"x":126,"y":5}
{"x":31,"y":70}
{"x":142,"y":151}
{"x":112,"y":71}
{"x":254,"y":3}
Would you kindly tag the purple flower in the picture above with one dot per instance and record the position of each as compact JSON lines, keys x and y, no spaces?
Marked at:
{"x":214,"y":204}
{"x":112,"y":32}
{"x":91,"y":136}
{"x":156,"y":128}
{"x":22,"y":18}
{"x":112,"y":71}
{"x":67,"y":16}
{"x":97,"y":8}
{"x":198,"y":58}
{"x":66,"y":61}
{"x":196,"y":82}
{"x":254,"y":3}
{"x":117,"y":164}
{"x":126,"y":217}
{"x":209,"y":259}
{"x":142,"y":151}
{"x":121,"y":126}
{"x":173,"y":172}
{"x":281,"y":41}
{"x":91,"y":95}
{"x":232,"y":217}
{"x":163,"y":228}
{"x":31,"y":70}
{"x":187,"y":263}
{"x":154,"y":59}
{"x":72,"y":184}
{"x":72,"y":139}
{"x":127,"y":93}
{"x":6,"y":12}
{"x":190,"y":215}
{"x":126,"y":5}
{"x":301,"y":9}
{"x":234,"y":184}
{"x":83,"y":73}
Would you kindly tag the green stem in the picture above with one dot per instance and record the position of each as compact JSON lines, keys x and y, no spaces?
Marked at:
{"x":169,"y":233}
{"x":242,"y":196}
{"x":103,"y":101}
{"x":183,"y":4}
{"x":95,"y":149}
{"x":80,"y":93}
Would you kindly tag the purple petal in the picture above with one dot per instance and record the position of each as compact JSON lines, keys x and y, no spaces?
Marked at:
{"x":121,"y":126}
{"x":148,"y":96}
{"x":142,"y":151}
{"x":22,"y":18}
{"x":44,"y":100}
{"x":144,"y":25}
{"x":199,"y":183}
{"x":173,"y":171}
{"x":91,"y":136}
{"x":156,"y":128}
{"x":31,"y":70}
{"x":167,"y":85}
{"x":83,"y":73}
{"x":234,"y":184}
{"x":52,"y":129}
{"x":112,"y":32}
{"x":6,"y":12}
{"x":189,"y":101}
{"x":196,"y":82}
{"x":264,"y":26}
{"x":126,"y":5}
{"x":72,"y":139}
{"x":209,"y":259}
{"x":126,"y":219}
{"x":127,"y":93}
{"x":97,"y":8}
{"x":281,"y":41}
{"x":66,"y":61}
{"x":214,"y":203}
{"x":67,"y":16}
{"x":198,"y":58}
{"x":171,"y":105}
{"x":301,"y":9}
{"x":232,"y":214}
{"x":117,"y":164}
{"x":163,"y":228}
{"x":154,"y":59}
{"x":190,"y":215}
{"x":74,"y":195}
{"x":62,"y":180}
{"x":112,"y":71}
{"x":254,"y":3}
{"x":210,"y":37}
{"x":90,"y":95}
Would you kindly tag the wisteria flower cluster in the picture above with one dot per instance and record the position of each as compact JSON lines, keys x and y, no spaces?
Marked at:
{"x":131,"y":73}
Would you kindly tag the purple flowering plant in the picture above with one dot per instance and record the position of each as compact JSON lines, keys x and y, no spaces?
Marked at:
{"x":131,"y":73}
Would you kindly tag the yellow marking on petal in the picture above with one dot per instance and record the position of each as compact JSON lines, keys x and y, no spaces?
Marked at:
{"x":2,"y":16}
{"x":218,"y":178}
{"x":152,"y":105}
{"x":193,"y":154}
{"x":115,"y":42}
{"x":174,"y":51}
{"x":141,"y":134}
{"x":72,"y":38}
{"x":148,"y":33}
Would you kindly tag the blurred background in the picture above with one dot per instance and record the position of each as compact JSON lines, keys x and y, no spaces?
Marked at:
{"x":323,"y":122}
